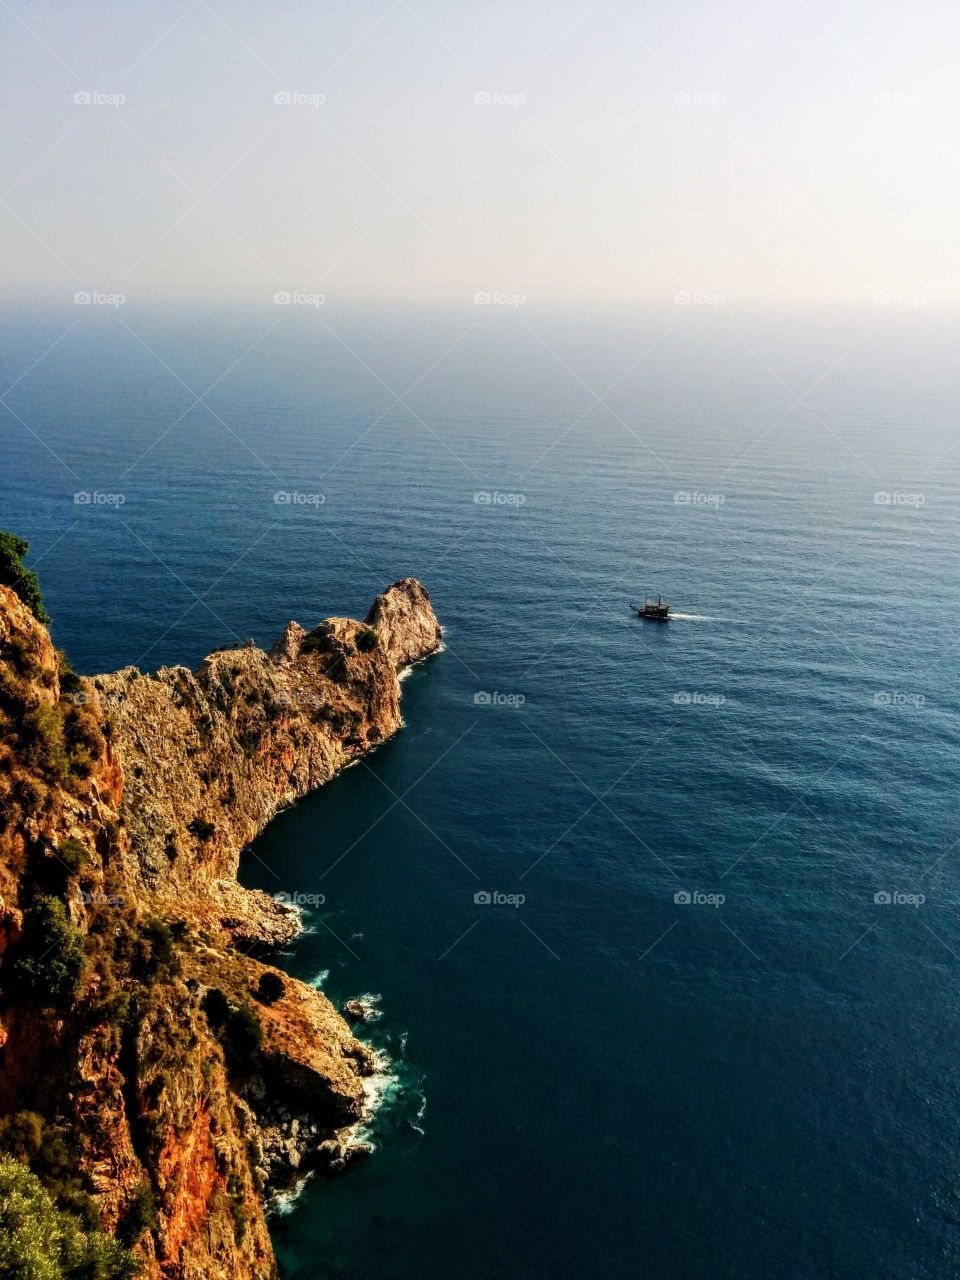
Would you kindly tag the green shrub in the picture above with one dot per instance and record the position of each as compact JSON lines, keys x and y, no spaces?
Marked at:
{"x":367,"y":640}
{"x":51,"y":1155}
{"x":237,"y":1026}
{"x":154,"y":951}
{"x":70,"y":682}
{"x":270,"y":987}
{"x":160,"y":936}
{"x":73,"y":855}
{"x":243,"y":1037}
{"x":140,"y":1214}
{"x":238,"y":1208}
{"x":50,"y":957}
{"x":21,"y":1135}
{"x":24,"y":655}
{"x":13,"y":574}
{"x":38,"y":1241}
{"x":202,"y":829}
{"x":216,"y":1006}
{"x":42,"y":737}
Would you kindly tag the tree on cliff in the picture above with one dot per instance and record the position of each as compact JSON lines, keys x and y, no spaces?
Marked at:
{"x":38,"y":1241}
{"x":14,"y":574}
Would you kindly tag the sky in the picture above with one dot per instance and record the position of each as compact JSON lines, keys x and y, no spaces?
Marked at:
{"x":422,"y":150}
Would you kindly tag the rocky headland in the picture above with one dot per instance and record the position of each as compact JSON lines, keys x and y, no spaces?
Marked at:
{"x":156,"y":1072}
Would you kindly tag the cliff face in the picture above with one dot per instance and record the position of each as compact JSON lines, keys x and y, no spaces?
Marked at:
{"x":127,"y":800}
{"x":210,"y":756}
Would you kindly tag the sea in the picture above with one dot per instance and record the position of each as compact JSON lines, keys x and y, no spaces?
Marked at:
{"x":660,"y":920}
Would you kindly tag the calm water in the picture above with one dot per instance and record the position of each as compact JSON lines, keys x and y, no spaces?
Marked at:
{"x":601,"y":1080}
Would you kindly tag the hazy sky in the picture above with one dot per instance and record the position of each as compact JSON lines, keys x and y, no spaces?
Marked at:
{"x":623,"y":151}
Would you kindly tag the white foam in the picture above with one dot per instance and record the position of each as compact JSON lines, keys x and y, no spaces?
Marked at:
{"x":414,"y":1124}
{"x":369,"y":1002}
{"x":319,"y":979}
{"x":283,"y":1203}
{"x":407,"y":670}
{"x":378,"y":1089}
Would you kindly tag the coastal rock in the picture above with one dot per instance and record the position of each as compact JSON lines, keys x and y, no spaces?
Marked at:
{"x":185,"y":1087}
{"x":210,"y":756}
{"x":287,"y":648}
{"x":404,"y":619}
{"x":363,"y":1009}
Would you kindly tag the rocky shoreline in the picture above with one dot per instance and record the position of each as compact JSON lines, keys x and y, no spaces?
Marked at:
{"x":197,"y":1079}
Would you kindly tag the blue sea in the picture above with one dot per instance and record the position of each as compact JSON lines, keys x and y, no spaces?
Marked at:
{"x":662,"y":919}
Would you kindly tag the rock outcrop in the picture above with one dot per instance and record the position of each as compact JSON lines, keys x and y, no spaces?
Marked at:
{"x":157,"y":1041}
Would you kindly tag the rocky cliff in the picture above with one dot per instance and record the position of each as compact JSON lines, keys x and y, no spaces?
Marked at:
{"x":175,"y":1075}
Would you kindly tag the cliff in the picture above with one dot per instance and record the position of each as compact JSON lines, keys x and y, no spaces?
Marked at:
{"x":181,"y":1075}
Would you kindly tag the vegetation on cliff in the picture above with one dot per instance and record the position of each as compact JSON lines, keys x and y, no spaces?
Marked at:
{"x":15,"y":574}
{"x":38,"y":1241}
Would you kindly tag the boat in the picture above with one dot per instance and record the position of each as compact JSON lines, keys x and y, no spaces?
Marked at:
{"x":654,"y":608}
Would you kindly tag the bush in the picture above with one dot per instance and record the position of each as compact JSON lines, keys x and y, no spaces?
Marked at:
{"x":73,"y":855}
{"x":244,"y":1036}
{"x":70,"y":682}
{"x":24,"y":655}
{"x":49,"y":962}
{"x":216,"y":1006}
{"x":270,"y":987}
{"x":21,"y":1135}
{"x":13,"y":574}
{"x":42,"y":735}
{"x":238,"y":1208}
{"x":367,"y":640}
{"x":85,"y":742}
{"x":38,"y":1241}
{"x":140,"y":1214}
{"x":50,"y":1154}
{"x":153,"y":951}
{"x":202,"y":829}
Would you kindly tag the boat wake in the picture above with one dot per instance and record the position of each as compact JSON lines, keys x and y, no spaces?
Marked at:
{"x":693,"y":617}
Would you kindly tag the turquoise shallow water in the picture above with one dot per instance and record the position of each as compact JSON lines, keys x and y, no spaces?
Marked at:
{"x":603,"y":1078}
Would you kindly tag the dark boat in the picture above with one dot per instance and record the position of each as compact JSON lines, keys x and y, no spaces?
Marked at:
{"x":653,"y":607}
